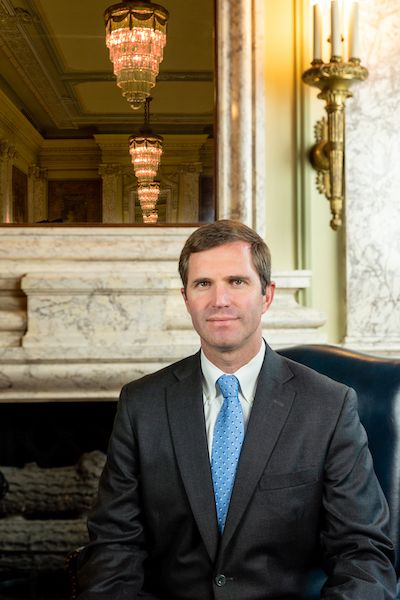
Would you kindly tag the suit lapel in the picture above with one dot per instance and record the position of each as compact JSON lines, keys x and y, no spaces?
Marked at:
{"x":270,"y":410}
{"x":186,"y":417}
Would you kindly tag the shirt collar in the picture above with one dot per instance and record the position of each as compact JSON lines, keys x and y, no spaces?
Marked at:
{"x":247,"y":376}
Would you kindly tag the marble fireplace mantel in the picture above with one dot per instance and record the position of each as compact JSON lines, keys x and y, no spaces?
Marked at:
{"x":84,"y":310}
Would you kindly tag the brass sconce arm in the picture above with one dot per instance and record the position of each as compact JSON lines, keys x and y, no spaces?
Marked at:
{"x":327,"y":156}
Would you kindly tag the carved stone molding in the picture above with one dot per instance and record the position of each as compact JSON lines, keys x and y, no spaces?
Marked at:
{"x":37,"y":172}
{"x":12,"y":311}
{"x":22,"y":56}
{"x":19,"y":14}
{"x":113,"y":169}
{"x":7,"y":151}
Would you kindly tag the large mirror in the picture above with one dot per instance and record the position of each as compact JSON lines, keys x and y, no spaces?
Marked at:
{"x":64,"y":125}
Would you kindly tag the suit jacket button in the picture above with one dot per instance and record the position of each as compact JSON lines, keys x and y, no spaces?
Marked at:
{"x":220,"y":580}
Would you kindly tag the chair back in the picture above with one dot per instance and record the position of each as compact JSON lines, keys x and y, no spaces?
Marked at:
{"x":377,"y":383}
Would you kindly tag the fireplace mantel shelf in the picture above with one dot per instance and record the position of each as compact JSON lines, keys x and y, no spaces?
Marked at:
{"x":83,"y":311}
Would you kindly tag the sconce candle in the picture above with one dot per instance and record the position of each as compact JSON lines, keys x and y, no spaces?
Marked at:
{"x":336,"y":35}
{"x":317,"y":53}
{"x":354,"y":32}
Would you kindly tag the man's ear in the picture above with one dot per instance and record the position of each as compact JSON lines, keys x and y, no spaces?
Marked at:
{"x":183,"y":294}
{"x":269,"y":295}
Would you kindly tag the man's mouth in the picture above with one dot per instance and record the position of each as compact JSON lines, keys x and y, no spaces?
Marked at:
{"x":222,"y":318}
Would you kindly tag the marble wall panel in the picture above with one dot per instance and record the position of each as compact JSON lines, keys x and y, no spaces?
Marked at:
{"x":373,"y":188}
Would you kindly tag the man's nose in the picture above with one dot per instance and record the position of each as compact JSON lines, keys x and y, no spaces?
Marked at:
{"x":221,"y":296}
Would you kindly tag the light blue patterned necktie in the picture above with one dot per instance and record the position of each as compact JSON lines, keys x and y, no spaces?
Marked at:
{"x":227,"y":443}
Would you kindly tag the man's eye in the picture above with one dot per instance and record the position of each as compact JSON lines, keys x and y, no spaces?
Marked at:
{"x":237,"y":282}
{"x":203,"y":284}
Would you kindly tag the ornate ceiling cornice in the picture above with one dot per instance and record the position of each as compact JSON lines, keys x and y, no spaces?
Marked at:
{"x":16,"y":43}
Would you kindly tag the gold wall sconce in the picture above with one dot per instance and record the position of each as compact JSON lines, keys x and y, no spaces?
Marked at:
{"x":337,"y":22}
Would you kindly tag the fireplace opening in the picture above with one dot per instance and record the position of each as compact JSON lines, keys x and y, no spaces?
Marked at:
{"x":51,"y":456}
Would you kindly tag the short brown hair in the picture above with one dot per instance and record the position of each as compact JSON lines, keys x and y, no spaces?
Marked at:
{"x":223,"y":232}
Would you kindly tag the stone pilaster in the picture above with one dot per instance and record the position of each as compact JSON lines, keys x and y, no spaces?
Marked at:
{"x":112,"y":175}
{"x":7,"y":155}
{"x":37,"y":194}
{"x":189,"y":193}
{"x":129,"y":196}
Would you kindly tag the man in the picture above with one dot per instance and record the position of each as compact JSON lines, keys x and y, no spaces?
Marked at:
{"x":234,"y":472}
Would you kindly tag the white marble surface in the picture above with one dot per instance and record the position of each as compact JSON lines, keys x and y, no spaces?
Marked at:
{"x":373,"y":188}
{"x":241,"y":102}
{"x":12,"y":311}
{"x":87,"y":309}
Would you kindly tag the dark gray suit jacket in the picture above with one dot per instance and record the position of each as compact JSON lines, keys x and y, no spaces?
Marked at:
{"x":305,"y":493}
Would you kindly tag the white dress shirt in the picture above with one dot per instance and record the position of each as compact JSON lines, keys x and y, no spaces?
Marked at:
{"x":212,"y":396}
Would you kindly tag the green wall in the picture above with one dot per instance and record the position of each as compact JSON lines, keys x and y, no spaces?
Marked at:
{"x":297,"y":216}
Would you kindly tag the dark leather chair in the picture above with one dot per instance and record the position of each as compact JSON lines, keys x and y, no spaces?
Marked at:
{"x":377,"y":383}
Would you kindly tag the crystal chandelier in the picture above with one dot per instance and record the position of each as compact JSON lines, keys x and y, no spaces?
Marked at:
{"x":146,"y":149}
{"x":148,"y":195}
{"x":135,"y":37}
{"x":151,"y":217}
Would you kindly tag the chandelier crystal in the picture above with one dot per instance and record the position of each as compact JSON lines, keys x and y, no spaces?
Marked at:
{"x":135,"y":37}
{"x":151,"y":217}
{"x":145,"y":151}
{"x":148,"y":195}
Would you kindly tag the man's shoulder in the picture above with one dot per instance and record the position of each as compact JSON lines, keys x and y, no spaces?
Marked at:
{"x":164,"y":377}
{"x":318,"y":395}
{"x":310,"y":381}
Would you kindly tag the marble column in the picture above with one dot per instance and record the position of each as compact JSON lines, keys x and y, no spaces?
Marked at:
{"x":240,"y":108}
{"x":112,"y":175}
{"x":7,"y":154}
{"x":373,"y":188}
{"x":37,"y":194}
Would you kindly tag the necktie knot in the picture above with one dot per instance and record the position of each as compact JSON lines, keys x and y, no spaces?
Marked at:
{"x":229,"y":386}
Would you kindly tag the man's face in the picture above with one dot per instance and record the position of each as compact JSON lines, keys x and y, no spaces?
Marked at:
{"x":224,"y":299}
